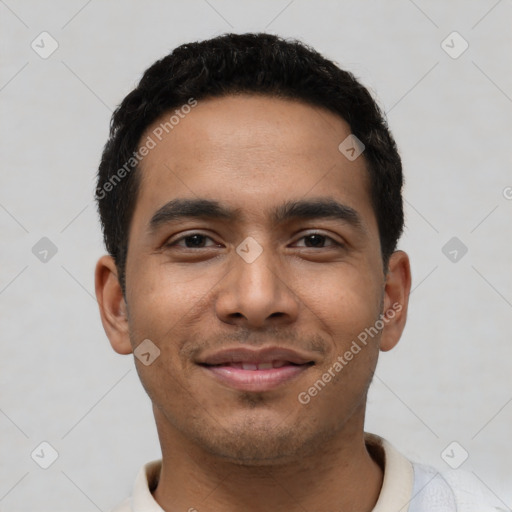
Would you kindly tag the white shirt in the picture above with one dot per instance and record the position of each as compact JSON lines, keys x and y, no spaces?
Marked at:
{"x":406,"y":487}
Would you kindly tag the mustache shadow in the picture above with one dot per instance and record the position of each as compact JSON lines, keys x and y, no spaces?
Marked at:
{"x":315,"y":342}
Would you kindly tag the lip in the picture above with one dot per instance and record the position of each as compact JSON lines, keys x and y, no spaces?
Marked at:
{"x":226,"y":367}
{"x":260,"y":355}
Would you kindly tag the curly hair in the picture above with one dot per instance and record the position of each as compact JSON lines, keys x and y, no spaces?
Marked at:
{"x":230,"y":64}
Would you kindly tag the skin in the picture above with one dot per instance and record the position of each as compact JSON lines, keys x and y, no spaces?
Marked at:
{"x":225,"y":449}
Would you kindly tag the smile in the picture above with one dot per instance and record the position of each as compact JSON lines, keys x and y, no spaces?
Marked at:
{"x":255,"y":370}
{"x":256,"y":366}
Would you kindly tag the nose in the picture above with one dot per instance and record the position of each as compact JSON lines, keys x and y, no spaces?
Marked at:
{"x":257,"y":294}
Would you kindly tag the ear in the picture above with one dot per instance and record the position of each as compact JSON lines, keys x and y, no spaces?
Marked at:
{"x":112,"y":305}
{"x":396,"y":299}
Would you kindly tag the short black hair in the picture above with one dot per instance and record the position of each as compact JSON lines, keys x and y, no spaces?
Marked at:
{"x":253,"y":63}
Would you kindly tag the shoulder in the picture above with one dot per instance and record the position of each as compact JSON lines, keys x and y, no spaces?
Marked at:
{"x":457,"y":490}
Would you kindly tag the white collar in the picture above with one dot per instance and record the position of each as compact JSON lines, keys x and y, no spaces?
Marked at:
{"x":394,"y":496}
{"x":396,"y":491}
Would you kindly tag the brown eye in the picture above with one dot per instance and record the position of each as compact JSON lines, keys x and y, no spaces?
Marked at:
{"x":316,"y":240}
{"x":193,"y":241}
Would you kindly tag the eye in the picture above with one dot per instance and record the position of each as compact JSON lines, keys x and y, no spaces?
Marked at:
{"x":192,"y":241}
{"x":317,"y":240}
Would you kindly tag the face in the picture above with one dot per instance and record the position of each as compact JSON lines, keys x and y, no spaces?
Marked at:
{"x":253,"y":266}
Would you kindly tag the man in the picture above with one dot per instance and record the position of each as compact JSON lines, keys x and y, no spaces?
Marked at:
{"x":250,"y":198}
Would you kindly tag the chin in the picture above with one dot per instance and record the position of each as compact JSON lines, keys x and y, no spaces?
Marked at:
{"x":258,"y":441}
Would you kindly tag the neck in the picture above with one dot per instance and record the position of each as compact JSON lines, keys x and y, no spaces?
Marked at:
{"x":341,"y":476}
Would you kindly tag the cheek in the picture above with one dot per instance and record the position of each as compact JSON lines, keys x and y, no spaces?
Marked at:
{"x":163,"y":298}
{"x":345,"y":298}
{"x":168,"y":307}
{"x":161,"y":303}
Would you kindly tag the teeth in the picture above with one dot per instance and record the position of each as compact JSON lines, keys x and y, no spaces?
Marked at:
{"x":259,"y":366}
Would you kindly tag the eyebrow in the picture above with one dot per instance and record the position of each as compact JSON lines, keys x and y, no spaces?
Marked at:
{"x":317,"y":209}
{"x":324,"y":208}
{"x":190,"y":208}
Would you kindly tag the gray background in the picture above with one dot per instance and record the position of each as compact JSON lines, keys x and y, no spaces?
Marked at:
{"x":448,"y":379}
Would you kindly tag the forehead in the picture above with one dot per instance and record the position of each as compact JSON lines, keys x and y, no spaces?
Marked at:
{"x":250,"y":152}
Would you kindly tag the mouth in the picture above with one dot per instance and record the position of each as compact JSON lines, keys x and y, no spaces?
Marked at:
{"x":256,"y":370}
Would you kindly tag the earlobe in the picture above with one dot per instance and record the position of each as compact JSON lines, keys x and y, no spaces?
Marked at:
{"x":112,"y":305}
{"x":396,"y":299}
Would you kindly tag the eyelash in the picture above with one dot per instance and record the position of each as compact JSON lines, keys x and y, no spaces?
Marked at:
{"x":174,"y":243}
